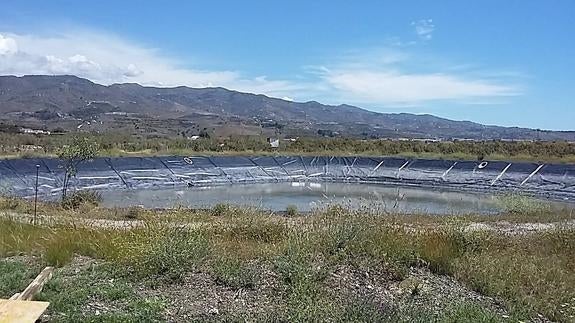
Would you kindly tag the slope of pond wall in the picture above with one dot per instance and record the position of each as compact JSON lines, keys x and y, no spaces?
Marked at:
{"x":557,"y":181}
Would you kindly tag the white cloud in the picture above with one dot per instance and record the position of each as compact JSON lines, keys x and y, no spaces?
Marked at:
{"x":391,"y":77}
{"x":373,"y":57}
{"x":424,"y":28}
{"x":376,"y":77}
{"x":8,"y":45}
{"x":395,"y":87}
{"x":107,"y":59}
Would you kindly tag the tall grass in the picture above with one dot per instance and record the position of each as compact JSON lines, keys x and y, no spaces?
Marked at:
{"x":56,"y":245}
{"x":531,"y":273}
{"x":161,"y":250}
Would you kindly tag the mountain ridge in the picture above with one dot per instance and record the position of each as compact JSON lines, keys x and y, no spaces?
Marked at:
{"x":55,"y":98}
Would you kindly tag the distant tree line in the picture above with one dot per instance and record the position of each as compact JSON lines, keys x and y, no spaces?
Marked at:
{"x":112,"y":144}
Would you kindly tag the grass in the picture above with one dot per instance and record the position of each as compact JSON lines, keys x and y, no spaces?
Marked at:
{"x":14,"y":277}
{"x":518,"y":204}
{"x":532,"y":273}
{"x":235,"y":273}
{"x":71,"y":292}
{"x":243,"y":249}
{"x":454,"y":313}
{"x":160,"y":251}
{"x":56,"y":245}
{"x":367,"y":310}
{"x":80,"y":297}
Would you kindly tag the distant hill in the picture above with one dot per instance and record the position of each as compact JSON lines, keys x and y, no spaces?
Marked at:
{"x":68,"y":101}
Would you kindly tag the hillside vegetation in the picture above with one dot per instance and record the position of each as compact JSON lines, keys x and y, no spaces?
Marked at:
{"x":117,"y":144}
{"x":68,"y":102}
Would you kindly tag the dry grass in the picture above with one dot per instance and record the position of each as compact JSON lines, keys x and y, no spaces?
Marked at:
{"x":531,"y":273}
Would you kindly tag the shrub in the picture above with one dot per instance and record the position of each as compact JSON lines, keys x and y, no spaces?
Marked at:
{"x":295,"y":262}
{"x":368,"y":310}
{"x":519,"y":204}
{"x":220,"y":209}
{"x":10,"y":203}
{"x":302,"y":279}
{"x":163,"y":251}
{"x":133,"y":213}
{"x":256,"y":227}
{"x":79,"y":198}
{"x":234,"y":273}
{"x":441,"y":248}
{"x":291,"y":210}
{"x":337,"y":237}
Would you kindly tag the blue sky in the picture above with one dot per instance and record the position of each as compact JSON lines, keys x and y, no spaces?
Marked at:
{"x":497,"y":62}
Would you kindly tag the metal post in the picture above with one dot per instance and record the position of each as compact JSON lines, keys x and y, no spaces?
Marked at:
{"x":36,"y":194}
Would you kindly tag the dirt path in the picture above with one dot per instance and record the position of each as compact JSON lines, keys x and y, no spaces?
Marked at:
{"x":47,"y":220}
{"x":505,"y":227}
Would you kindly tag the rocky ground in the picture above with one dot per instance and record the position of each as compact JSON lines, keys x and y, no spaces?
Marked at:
{"x":97,"y":295}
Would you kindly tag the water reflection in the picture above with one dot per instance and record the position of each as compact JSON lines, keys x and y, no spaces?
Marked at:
{"x":307,"y":196}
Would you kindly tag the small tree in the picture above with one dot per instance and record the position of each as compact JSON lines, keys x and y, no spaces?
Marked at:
{"x":81,"y":150}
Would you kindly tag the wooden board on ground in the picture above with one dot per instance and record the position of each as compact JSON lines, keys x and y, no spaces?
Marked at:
{"x":35,"y":286}
{"x":12,"y":311}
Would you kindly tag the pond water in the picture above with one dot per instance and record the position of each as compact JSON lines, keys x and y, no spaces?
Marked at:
{"x":306,"y":196}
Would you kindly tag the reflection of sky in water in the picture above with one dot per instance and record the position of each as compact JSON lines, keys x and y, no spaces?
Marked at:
{"x":306,"y":196}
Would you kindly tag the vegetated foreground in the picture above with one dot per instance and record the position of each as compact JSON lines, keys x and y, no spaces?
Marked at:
{"x":336,"y":264}
{"x":118,"y":144}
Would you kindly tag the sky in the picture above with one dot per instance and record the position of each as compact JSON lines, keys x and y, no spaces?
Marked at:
{"x":509,"y":63}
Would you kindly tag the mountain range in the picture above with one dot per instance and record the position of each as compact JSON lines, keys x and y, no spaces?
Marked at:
{"x":70,"y":103}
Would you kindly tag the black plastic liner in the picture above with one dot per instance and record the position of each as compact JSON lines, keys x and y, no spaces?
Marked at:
{"x":18,"y":176}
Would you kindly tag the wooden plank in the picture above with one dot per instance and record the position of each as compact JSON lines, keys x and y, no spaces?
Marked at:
{"x":12,"y":311}
{"x":36,"y":286}
{"x":14,"y":297}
